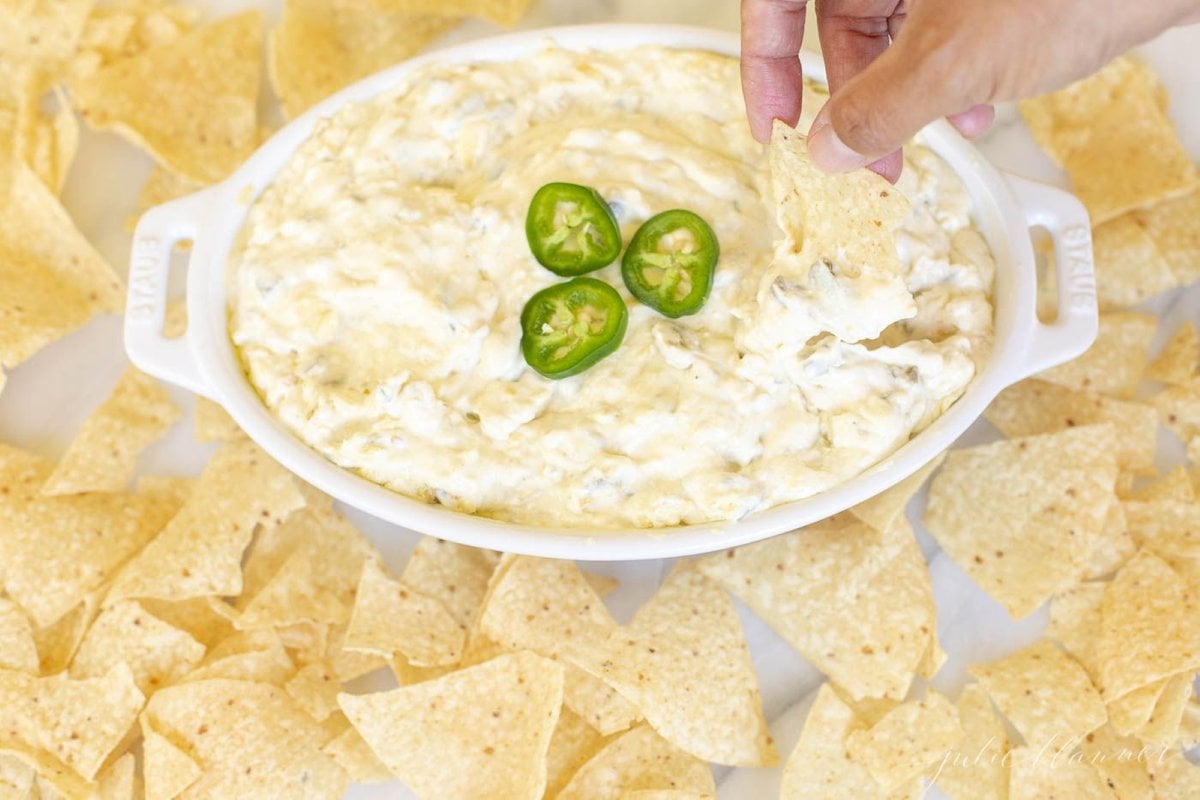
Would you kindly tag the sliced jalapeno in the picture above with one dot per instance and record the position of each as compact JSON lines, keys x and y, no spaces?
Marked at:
{"x":571,"y":230}
{"x":568,"y":327}
{"x":670,"y":261}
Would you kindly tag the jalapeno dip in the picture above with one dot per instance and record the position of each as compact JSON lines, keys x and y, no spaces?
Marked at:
{"x":376,"y":291}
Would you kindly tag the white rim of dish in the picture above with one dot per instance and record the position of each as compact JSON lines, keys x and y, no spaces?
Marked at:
{"x":203,"y":360}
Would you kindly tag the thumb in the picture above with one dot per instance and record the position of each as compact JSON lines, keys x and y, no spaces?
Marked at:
{"x":882,"y":107}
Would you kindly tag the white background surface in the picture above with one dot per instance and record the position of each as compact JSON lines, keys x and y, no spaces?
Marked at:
{"x":47,"y":398}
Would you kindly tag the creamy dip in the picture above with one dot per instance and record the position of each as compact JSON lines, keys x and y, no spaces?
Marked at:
{"x":376,"y":289}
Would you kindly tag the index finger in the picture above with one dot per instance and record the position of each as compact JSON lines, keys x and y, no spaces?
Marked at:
{"x":772,"y":31}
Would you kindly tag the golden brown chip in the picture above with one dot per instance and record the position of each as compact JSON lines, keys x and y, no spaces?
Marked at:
{"x":855,"y":601}
{"x":249,"y":739}
{"x":79,"y":721}
{"x":104,"y":453}
{"x":1045,"y":693}
{"x":16,"y":777}
{"x":820,"y":768}
{"x":1175,"y":227}
{"x":573,"y":744}
{"x":18,"y":650}
{"x":292,"y":596}
{"x":1150,"y":627}
{"x":200,"y":551}
{"x":315,"y":688}
{"x":975,"y":769}
{"x":1175,"y":486}
{"x":822,"y":280}
{"x":1115,"y":362}
{"x":49,"y":567}
{"x":454,"y":574}
{"x":196,"y":616}
{"x":1129,"y":267}
{"x":41,"y":31}
{"x":124,"y":633}
{"x":635,"y":760}
{"x":1166,"y":527}
{"x":322,"y":46}
{"x":597,"y":702}
{"x":501,"y":12}
{"x":1021,"y":517}
{"x":56,"y":643}
{"x":1179,"y":360}
{"x":191,"y":103}
{"x":257,"y":656}
{"x":1035,"y":406}
{"x":907,"y":741}
{"x":479,"y":732}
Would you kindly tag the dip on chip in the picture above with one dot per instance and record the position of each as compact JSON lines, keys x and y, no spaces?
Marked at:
{"x":376,"y":293}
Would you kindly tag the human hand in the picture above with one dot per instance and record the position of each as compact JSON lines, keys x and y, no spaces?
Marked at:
{"x":895,"y":66}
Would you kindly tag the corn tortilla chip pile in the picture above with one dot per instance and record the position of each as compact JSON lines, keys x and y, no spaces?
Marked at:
{"x":1111,"y":134}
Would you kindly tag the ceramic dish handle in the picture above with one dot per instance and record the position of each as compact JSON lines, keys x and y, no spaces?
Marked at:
{"x":158,"y":231}
{"x":1066,"y":220}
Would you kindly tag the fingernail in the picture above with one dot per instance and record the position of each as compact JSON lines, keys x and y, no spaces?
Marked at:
{"x":830,"y":153}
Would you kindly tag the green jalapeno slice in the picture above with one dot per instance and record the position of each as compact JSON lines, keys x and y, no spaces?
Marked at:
{"x":571,"y":230}
{"x":670,"y":261}
{"x":568,"y":327}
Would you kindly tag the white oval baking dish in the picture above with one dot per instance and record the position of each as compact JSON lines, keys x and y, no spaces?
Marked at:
{"x":203,"y":360}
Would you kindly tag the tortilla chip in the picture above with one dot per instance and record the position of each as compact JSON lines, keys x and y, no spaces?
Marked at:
{"x":1174,"y":777}
{"x":315,"y":688}
{"x":637,"y":759}
{"x":322,"y":46}
{"x":1075,"y":621}
{"x":820,"y":767}
{"x":975,"y":768}
{"x":543,"y":605}
{"x":454,"y":574}
{"x":1113,"y":548}
{"x":822,"y":280}
{"x":1038,"y":776}
{"x":1129,"y":267}
{"x":37,"y":229}
{"x":683,"y":662}
{"x":104,"y":453}
{"x":213,"y":423}
{"x":124,"y":633}
{"x":1121,"y":762}
{"x":501,"y":12}
{"x":1046,"y":694}
{"x":907,"y":741}
{"x":854,"y":601}
{"x":57,"y":642}
{"x":354,"y":756}
{"x":933,"y":660}
{"x":1162,"y":728}
{"x":16,"y":777}
{"x":249,"y":739}
{"x":1174,"y":487}
{"x":479,"y":732}
{"x":1115,"y":362}
{"x":168,"y":770}
{"x":128,"y":27}
{"x":1180,"y":358}
{"x":350,"y":665}
{"x":573,"y":743}
{"x":1022,"y":516}
{"x":49,"y":566}
{"x":191,"y":103}
{"x":42,"y":32}
{"x":1034,"y":406}
{"x":80,"y":721}
{"x":1189,"y":725}
{"x":881,"y":510}
{"x":196,"y":617}
{"x":200,"y":551}
{"x":1131,"y":711}
{"x":46,"y":142}
{"x":247,"y":656}
{"x":1150,"y":627}
{"x":665,"y":794}
{"x":1179,"y":408}
{"x":1175,"y":227}
{"x":292,"y":597}
{"x":1167,"y":527}
{"x":601,"y":705}
{"x":1114,"y":140}
{"x":35,"y":309}
{"x":18,"y":651}
{"x":389,"y":618}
